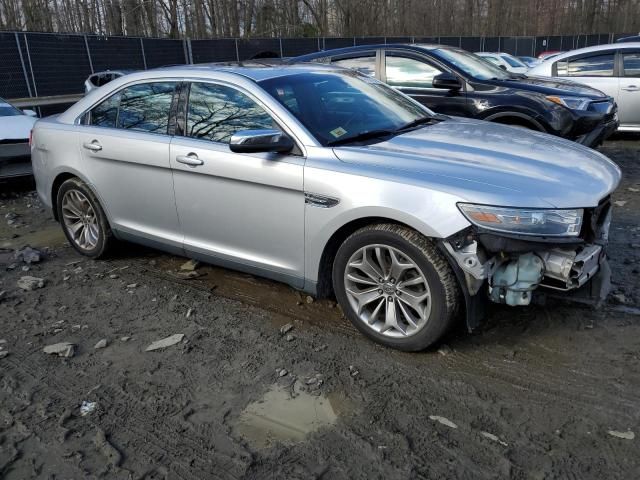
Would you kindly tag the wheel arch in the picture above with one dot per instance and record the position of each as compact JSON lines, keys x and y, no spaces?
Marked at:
{"x":324,"y":286}
{"x":61,"y":177}
{"x":517,"y":118}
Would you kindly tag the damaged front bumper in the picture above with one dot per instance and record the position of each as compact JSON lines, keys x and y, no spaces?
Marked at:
{"x":513,"y":269}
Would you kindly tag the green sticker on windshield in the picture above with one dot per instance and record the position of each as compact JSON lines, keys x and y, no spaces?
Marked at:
{"x":338,"y":132}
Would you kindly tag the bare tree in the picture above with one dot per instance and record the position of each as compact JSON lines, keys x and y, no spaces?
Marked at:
{"x":272,"y":18}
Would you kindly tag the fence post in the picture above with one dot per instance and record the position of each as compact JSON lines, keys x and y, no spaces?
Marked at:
{"x":281,"y":51}
{"x":86,"y":46}
{"x":33,"y":78}
{"x":24,"y":69}
{"x":144,"y":57}
{"x":237,"y":51}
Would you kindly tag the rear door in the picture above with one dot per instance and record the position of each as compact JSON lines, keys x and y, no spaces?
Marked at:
{"x":596,"y":69}
{"x":629,"y":96}
{"x":243,"y":210}
{"x":125,"y":145}
{"x":413,"y":75}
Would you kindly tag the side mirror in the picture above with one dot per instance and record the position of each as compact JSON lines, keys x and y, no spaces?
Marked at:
{"x":447,"y":81}
{"x":503,"y":67}
{"x":252,"y":141}
{"x":30,"y":113}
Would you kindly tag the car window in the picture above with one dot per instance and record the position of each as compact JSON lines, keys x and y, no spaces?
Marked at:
{"x":470,"y":64}
{"x":105,"y":114}
{"x":594,"y":66}
{"x":631,"y":64}
{"x":409,"y":72}
{"x":8,"y":110}
{"x":340,"y":105}
{"x":493,"y":60}
{"x":146,"y":107}
{"x":514,"y":62}
{"x":365,"y":64}
{"x":216,"y":112}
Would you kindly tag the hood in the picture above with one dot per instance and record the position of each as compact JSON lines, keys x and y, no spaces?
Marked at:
{"x":16,"y":127}
{"x":494,"y":164}
{"x":551,"y":86}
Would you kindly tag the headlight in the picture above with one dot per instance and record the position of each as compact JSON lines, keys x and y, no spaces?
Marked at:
{"x":525,"y":221}
{"x":572,"y":103}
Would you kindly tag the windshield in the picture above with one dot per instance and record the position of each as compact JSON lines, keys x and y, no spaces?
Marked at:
{"x":471,"y":64}
{"x":7,"y":110}
{"x":514,"y":62}
{"x":336,"y":106}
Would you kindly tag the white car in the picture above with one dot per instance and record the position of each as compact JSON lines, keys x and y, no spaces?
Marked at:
{"x":98,"y":79}
{"x":505,"y":61}
{"x":15,"y":128}
{"x":613,"y":69}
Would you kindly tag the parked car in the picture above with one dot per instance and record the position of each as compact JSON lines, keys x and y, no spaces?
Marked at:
{"x":505,"y":61}
{"x":15,"y":127}
{"x":613,"y":69}
{"x":333,"y":182}
{"x":452,"y":81}
{"x":530,"y":61}
{"x":635,"y":38}
{"x":548,"y":54}
{"x":99,"y":79}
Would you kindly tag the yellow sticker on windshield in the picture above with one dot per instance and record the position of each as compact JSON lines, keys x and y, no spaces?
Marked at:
{"x":338,"y":132}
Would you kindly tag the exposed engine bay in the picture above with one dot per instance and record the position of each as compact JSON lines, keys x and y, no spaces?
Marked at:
{"x":514,"y":267}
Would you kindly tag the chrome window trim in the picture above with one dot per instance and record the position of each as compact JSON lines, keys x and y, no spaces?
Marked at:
{"x":197,"y":79}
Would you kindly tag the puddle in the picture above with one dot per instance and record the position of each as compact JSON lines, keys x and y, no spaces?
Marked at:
{"x":281,"y":417}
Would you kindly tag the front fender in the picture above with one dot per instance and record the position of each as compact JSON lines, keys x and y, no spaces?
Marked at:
{"x":364,"y":199}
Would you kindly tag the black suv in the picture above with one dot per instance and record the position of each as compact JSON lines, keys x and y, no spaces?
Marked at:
{"x":453,"y":81}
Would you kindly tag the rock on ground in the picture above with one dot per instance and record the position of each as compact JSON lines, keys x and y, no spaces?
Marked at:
{"x":165,"y":342}
{"x":63,"y":349}
{"x":28,"y":283}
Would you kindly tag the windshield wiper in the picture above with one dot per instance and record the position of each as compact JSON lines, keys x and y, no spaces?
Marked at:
{"x":361,"y":136}
{"x":420,"y":121}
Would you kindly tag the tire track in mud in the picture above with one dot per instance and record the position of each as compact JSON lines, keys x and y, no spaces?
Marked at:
{"x":164,"y":440}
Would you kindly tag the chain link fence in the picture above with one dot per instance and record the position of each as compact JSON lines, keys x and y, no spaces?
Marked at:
{"x":46,"y":64}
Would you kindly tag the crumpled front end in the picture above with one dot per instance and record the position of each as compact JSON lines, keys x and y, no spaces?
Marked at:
{"x":512,"y":269}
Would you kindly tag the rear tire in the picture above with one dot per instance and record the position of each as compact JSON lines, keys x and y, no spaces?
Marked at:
{"x":395,"y":286}
{"x":83,"y":220}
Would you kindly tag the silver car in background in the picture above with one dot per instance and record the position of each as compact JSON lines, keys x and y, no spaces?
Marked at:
{"x":613,"y":69}
{"x":334,"y":183}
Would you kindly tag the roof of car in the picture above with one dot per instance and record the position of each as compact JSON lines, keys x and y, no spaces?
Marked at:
{"x":597,"y":48}
{"x":358,"y":48}
{"x":254,"y":70}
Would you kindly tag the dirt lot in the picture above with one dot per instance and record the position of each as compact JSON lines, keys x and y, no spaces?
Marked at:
{"x":540,"y":392}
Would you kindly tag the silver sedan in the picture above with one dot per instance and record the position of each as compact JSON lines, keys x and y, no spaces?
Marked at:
{"x":334,"y":183}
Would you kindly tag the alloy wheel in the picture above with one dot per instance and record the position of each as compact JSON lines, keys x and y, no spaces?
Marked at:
{"x":80,"y":219}
{"x":388,"y":291}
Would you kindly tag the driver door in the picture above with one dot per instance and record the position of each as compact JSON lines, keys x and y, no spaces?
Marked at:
{"x":245,"y":211}
{"x":413,"y":75}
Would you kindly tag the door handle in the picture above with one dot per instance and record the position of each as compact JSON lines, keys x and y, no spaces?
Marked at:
{"x":94,"y":146}
{"x":630,"y":88}
{"x":191,"y":159}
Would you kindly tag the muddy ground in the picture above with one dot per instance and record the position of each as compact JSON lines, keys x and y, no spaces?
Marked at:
{"x":539,"y":392}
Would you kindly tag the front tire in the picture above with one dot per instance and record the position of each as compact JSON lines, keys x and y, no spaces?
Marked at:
{"x":83,"y":221}
{"x":395,"y":286}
